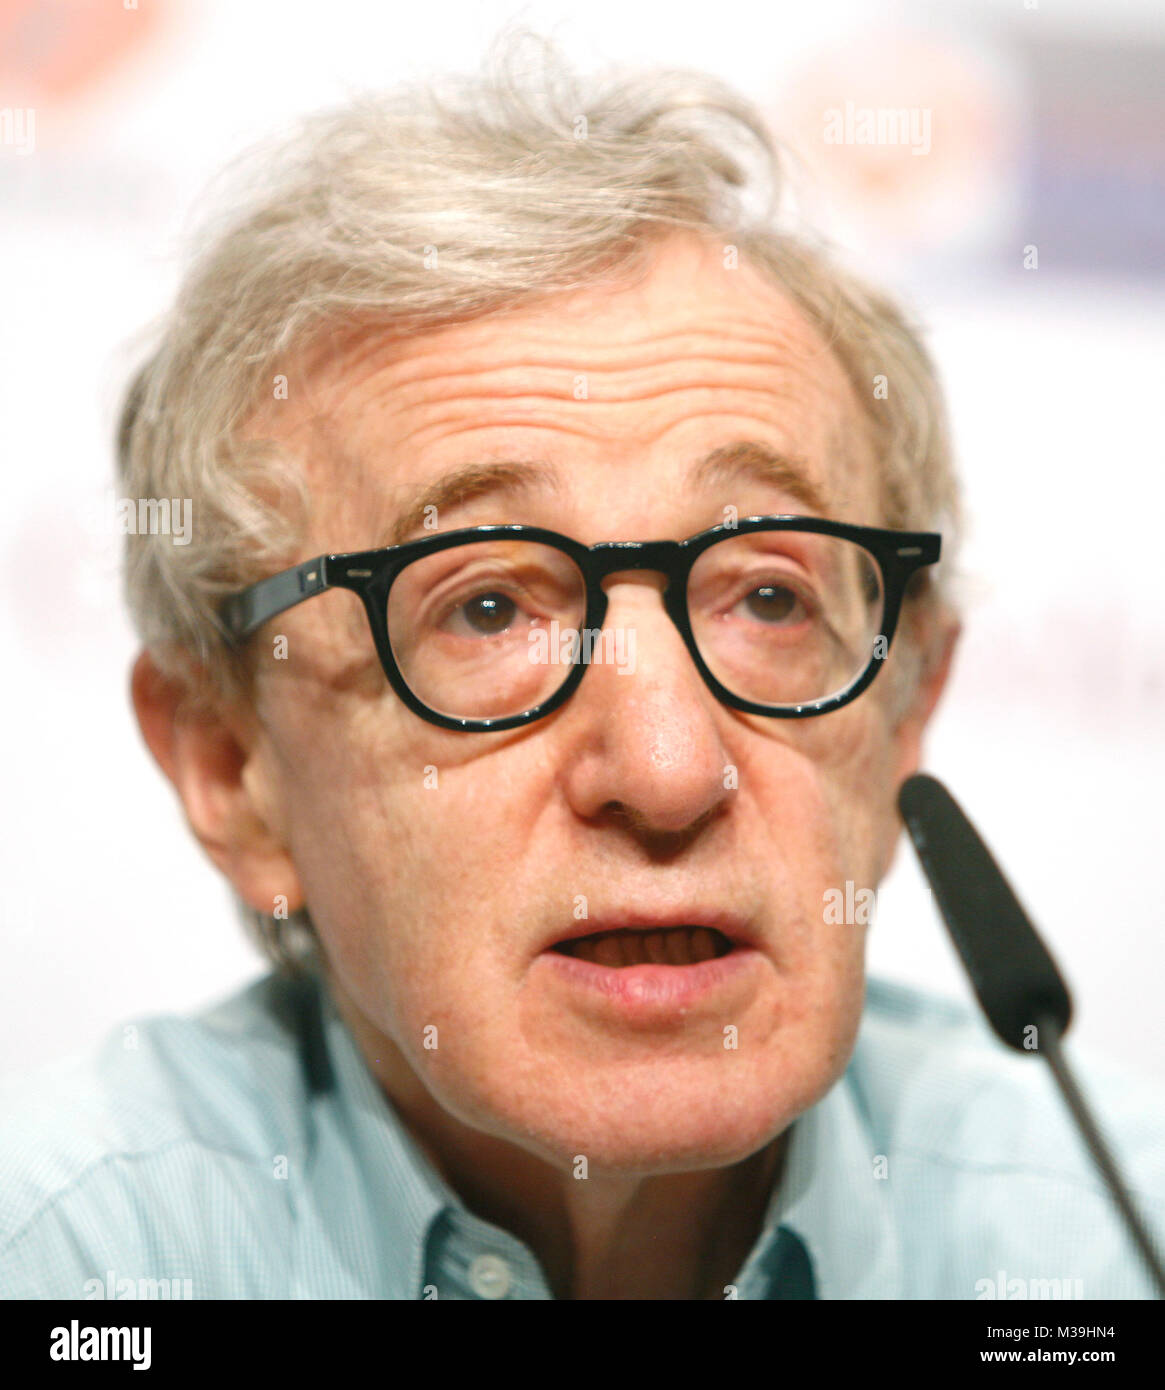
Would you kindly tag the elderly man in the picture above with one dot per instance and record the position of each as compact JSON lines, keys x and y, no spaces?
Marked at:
{"x":561,"y":618}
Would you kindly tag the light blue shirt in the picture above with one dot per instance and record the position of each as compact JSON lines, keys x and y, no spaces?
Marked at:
{"x":249,"y":1153}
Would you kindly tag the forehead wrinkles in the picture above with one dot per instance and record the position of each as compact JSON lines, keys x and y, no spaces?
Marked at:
{"x":683,"y":308}
{"x":379,"y":394}
{"x":786,"y":379}
{"x":510,"y":358}
{"x":444,"y":388}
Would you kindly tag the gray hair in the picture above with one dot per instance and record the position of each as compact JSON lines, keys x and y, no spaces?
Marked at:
{"x":442,"y":202}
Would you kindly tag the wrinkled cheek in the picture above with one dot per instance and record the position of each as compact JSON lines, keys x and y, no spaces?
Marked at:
{"x":856,"y":769}
{"x":829,"y":966}
{"x":468,"y":1050}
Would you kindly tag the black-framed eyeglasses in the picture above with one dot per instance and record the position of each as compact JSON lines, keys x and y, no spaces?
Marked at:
{"x":491,"y":627}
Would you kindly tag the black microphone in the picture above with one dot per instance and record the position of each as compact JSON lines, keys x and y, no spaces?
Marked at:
{"x":1014,"y":977}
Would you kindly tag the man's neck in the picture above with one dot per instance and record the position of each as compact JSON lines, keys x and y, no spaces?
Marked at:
{"x":608,"y":1235}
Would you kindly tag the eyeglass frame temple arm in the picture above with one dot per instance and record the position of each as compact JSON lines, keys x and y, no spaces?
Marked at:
{"x":246,"y":612}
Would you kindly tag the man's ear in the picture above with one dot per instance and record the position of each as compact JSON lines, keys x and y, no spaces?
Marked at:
{"x":210,"y":751}
{"x":937,"y":640}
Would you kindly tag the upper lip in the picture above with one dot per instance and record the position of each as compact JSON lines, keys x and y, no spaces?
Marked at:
{"x":736,"y":928}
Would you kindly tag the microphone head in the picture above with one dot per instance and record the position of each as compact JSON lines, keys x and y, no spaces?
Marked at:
{"x":1013,"y":975}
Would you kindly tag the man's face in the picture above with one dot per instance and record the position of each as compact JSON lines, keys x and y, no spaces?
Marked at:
{"x":440,"y":867}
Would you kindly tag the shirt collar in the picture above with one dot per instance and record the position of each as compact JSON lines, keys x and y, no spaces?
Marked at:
{"x":404,"y":1191}
{"x":834,"y":1195}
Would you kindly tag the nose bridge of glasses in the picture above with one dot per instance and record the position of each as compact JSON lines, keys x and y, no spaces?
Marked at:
{"x":619,"y":559}
{"x":655,"y":564}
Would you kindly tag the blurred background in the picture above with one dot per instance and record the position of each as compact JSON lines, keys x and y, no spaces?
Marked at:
{"x":1019,"y":211}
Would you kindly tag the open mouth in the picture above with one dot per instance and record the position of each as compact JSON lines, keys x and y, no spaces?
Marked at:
{"x":664,"y":946}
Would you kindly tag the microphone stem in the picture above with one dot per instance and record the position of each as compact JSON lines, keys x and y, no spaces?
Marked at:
{"x":1050,"y":1039}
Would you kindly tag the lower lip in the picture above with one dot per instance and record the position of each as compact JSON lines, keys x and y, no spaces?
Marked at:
{"x":657,"y":991}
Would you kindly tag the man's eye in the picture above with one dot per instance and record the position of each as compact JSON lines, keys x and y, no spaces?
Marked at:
{"x":774,"y":603}
{"x":488,"y":614}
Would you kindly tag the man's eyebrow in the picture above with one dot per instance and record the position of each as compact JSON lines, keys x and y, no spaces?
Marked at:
{"x":746,"y":461}
{"x":743,"y":461}
{"x":467,"y":484}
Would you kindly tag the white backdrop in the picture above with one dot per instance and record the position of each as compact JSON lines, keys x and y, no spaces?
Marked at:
{"x":1052,"y":735}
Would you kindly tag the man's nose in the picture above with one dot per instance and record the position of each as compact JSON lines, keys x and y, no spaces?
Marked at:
{"x":644,"y":730}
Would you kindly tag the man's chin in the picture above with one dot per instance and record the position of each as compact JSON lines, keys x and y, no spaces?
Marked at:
{"x":640,"y":1126}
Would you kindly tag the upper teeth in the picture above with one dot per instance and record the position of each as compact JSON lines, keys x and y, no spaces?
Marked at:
{"x":667,"y":946}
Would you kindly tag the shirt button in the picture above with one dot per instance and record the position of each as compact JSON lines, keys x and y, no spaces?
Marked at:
{"x":489,"y":1277}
